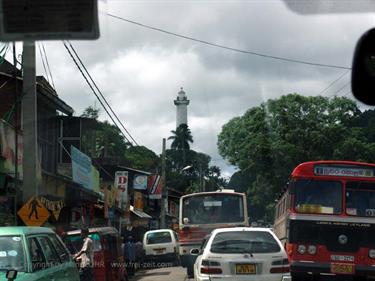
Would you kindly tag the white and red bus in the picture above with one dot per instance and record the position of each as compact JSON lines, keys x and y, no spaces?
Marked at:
{"x":202,"y":212}
{"x":326,"y":219}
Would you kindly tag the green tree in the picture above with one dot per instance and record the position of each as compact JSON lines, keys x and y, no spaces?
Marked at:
{"x":271,"y":139}
{"x":181,"y":138}
{"x":142,"y":158}
{"x":91,"y":112}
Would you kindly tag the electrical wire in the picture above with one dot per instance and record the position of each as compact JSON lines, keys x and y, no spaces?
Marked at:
{"x":342,"y":88}
{"x":49,"y":69}
{"x":42,"y":58}
{"x":226,"y":47}
{"x":333,"y":82}
{"x":93,"y":90}
{"x":101,"y":94}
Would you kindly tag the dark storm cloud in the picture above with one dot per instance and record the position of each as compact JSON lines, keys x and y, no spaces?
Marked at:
{"x":140,"y":71}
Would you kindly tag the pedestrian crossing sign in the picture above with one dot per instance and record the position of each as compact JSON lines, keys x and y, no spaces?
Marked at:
{"x":33,"y":213}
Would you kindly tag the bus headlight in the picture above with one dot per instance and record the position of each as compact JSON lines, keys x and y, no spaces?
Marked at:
{"x":301,"y":249}
{"x":311,"y":250}
{"x":371,"y":253}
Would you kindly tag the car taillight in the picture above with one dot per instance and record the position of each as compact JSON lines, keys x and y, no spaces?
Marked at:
{"x":211,"y":267}
{"x":281,"y":262}
{"x":211,"y":270}
{"x":371,"y":253}
{"x":210,"y":263}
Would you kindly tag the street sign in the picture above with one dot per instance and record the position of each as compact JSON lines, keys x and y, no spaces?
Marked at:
{"x":33,"y":213}
{"x":48,"y":20}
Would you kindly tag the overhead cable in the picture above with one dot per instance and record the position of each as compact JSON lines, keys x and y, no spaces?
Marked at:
{"x":101,"y":94}
{"x":93,"y":90}
{"x":228,"y":48}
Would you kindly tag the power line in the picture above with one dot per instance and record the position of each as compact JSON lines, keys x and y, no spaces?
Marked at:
{"x":42,"y":58}
{"x":101,"y":94}
{"x":226,"y":47}
{"x":334,"y":81}
{"x":92,"y":89}
{"x":49,"y":69}
{"x":342,"y":88}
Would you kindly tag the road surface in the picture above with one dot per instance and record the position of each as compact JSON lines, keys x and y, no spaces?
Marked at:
{"x":161,"y":274}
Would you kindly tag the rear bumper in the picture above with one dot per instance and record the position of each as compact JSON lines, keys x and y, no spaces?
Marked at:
{"x":266,"y":277}
{"x":317,"y":268}
{"x":163,"y":257}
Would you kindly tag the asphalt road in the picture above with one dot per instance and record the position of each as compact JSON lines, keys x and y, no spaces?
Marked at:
{"x":161,"y":274}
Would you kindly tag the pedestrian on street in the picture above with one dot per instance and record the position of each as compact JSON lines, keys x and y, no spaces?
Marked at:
{"x":85,"y":257}
{"x":129,"y":254}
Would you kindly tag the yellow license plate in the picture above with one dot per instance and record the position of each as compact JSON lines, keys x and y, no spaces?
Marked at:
{"x":342,"y":268}
{"x":245,"y":269}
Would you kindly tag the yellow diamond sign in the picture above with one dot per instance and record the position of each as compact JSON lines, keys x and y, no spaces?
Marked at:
{"x":33,"y":213}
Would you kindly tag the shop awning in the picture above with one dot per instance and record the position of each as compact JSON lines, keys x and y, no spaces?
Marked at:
{"x":139,"y":213}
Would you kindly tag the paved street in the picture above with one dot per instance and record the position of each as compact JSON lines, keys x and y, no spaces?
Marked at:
{"x":161,"y":274}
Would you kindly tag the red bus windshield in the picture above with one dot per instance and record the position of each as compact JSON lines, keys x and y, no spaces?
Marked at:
{"x":322,"y":197}
{"x":209,"y":209}
{"x":360,"y":199}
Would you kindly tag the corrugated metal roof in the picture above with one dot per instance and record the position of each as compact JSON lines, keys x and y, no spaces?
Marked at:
{"x":139,"y":213}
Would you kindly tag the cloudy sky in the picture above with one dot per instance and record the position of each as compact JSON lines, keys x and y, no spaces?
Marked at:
{"x":140,"y":71}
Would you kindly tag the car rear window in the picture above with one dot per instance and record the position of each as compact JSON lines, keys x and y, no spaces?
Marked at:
{"x":158,"y":237}
{"x":75,"y":242}
{"x":244,"y":242}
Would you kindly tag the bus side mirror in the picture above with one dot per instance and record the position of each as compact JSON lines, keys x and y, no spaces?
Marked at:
{"x":11,"y":274}
{"x":363,"y":68}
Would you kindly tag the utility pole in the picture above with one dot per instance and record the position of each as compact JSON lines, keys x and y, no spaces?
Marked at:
{"x":16,"y":130}
{"x":164,"y":193}
{"x":29,"y":121}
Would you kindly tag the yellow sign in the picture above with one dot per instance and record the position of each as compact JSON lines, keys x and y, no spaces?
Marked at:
{"x":138,"y":200}
{"x":33,"y":213}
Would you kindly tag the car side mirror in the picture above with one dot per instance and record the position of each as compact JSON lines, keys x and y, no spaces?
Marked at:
{"x":195,"y":252}
{"x":11,"y":274}
{"x":363,"y":68}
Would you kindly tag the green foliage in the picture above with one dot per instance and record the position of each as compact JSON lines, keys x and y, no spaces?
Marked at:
{"x":268,"y":141}
{"x":91,"y":112}
{"x":192,"y":176}
{"x":142,"y":158}
{"x":181,"y":138}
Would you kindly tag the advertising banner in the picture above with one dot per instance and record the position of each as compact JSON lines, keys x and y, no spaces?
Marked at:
{"x":154,"y":186}
{"x":81,"y":168}
{"x":140,"y":182}
{"x":138,"y":200}
{"x":121,"y":184}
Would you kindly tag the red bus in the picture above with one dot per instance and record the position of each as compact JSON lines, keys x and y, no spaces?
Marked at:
{"x":202,"y":212}
{"x":326,"y":219}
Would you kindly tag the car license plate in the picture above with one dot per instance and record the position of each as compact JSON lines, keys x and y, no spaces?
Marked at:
{"x":159,"y":251}
{"x":245,"y":269}
{"x":342,"y":268}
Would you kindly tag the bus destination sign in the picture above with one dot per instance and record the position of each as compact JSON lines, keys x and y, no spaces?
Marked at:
{"x":343,"y":171}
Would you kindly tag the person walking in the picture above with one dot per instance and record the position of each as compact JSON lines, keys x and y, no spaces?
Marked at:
{"x":85,"y":257}
{"x":129,"y":254}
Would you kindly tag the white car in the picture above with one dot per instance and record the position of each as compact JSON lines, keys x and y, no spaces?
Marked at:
{"x":241,"y":253}
{"x":161,"y":245}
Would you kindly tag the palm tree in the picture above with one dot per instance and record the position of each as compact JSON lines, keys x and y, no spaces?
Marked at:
{"x":181,"y":138}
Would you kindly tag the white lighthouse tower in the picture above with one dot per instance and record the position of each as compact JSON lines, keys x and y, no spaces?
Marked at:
{"x":181,"y":103}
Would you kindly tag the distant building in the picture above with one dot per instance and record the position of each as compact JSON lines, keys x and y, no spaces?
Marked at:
{"x":181,"y":103}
